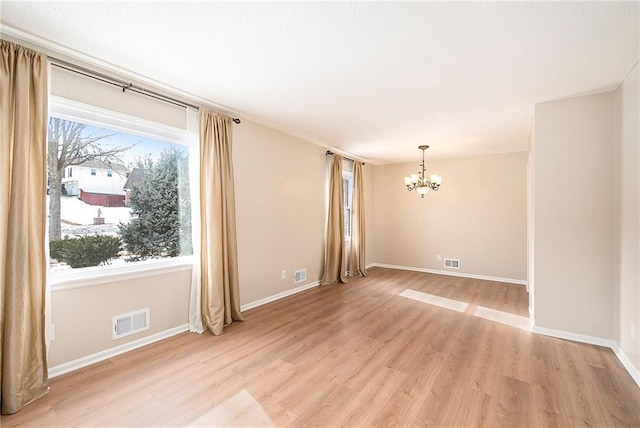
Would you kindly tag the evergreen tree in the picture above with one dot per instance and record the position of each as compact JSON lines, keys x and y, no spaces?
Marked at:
{"x":160,"y":224}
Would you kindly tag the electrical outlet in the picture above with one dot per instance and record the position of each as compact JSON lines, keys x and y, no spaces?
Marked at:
{"x":284,"y":274}
{"x":439,"y":258}
{"x":632,"y":331}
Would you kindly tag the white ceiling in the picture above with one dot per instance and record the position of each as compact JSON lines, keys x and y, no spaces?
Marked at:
{"x":372,"y":79}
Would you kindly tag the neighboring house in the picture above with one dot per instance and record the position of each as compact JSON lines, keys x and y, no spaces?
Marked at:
{"x":134,"y":179}
{"x":96,"y":182}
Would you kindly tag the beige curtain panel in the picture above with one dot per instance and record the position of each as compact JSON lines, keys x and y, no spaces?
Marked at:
{"x":357,"y":252}
{"x":220,"y":302}
{"x":23,"y":163}
{"x":334,"y":250}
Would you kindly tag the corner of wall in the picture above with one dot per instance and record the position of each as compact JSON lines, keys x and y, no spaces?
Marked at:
{"x":626,"y":189}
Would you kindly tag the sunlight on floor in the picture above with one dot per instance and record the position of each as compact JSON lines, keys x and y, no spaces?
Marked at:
{"x":507,"y":318}
{"x":241,"y":410}
{"x":503,"y":317}
{"x":443,"y":302}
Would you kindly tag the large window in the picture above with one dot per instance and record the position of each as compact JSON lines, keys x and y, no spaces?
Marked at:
{"x":127,"y":199}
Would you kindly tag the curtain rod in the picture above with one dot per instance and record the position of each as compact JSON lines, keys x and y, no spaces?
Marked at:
{"x":329,"y":153}
{"x":126,"y":86}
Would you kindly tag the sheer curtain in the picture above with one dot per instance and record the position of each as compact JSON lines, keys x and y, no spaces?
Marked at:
{"x":23,"y":163}
{"x":220,"y":295}
{"x":334,"y":251}
{"x":193,"y":141}
{"x":357,"y":252}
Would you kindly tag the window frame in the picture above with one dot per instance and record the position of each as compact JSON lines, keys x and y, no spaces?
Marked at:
{"x":96,"y":116}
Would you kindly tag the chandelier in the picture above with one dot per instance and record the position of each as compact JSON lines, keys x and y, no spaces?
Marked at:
{"x":420,"y":181}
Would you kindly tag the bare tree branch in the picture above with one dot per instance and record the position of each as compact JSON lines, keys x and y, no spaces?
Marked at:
{"x":68,"y":146}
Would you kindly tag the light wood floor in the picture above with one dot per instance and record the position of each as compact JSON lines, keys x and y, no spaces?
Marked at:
{"x":358,"y":355}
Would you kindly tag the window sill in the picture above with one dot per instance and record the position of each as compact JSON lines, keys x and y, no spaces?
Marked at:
{"x":98,"y":275}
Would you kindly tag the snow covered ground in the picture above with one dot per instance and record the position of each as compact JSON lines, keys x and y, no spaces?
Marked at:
{"x":73,"y":210}
{"x":77,"y":217}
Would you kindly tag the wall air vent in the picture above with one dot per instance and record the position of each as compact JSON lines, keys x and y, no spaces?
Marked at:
{"x":452,"y":263}
{"x":133,"y":322}
{"x":299,"y":276}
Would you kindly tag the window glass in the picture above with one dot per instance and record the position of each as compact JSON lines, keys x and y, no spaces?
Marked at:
{"x":347,"y":189}
{"x":127,"y":199}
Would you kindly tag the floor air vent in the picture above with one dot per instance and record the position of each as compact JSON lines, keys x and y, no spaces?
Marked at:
{"x":299,"y":276}
{"x":452,"y":263}
{"x":133,"y":322}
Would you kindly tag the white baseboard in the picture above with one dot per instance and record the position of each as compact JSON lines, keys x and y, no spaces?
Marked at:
{"x":449,"y":273}
{"x":112,"y":352}
{"x":278,"y":296}
{"x":591,"y":340}
{"x":626,"y":362}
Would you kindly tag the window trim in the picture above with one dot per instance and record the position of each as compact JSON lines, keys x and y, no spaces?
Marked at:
{"x":98,"y":275}
{"x":97,"y":116}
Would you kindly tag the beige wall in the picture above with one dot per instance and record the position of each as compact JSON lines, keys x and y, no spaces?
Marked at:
{"x":83,"y":316}
{"x":573,"y":193}
{"x":279,"y":207}
{"x":75,"y":87}
{"x":627,"y":218}
{"x":478,"y":216}
{"x":369,"y":179}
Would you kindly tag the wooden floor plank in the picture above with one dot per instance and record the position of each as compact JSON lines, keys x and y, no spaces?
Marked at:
{"x":355,"y":354}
